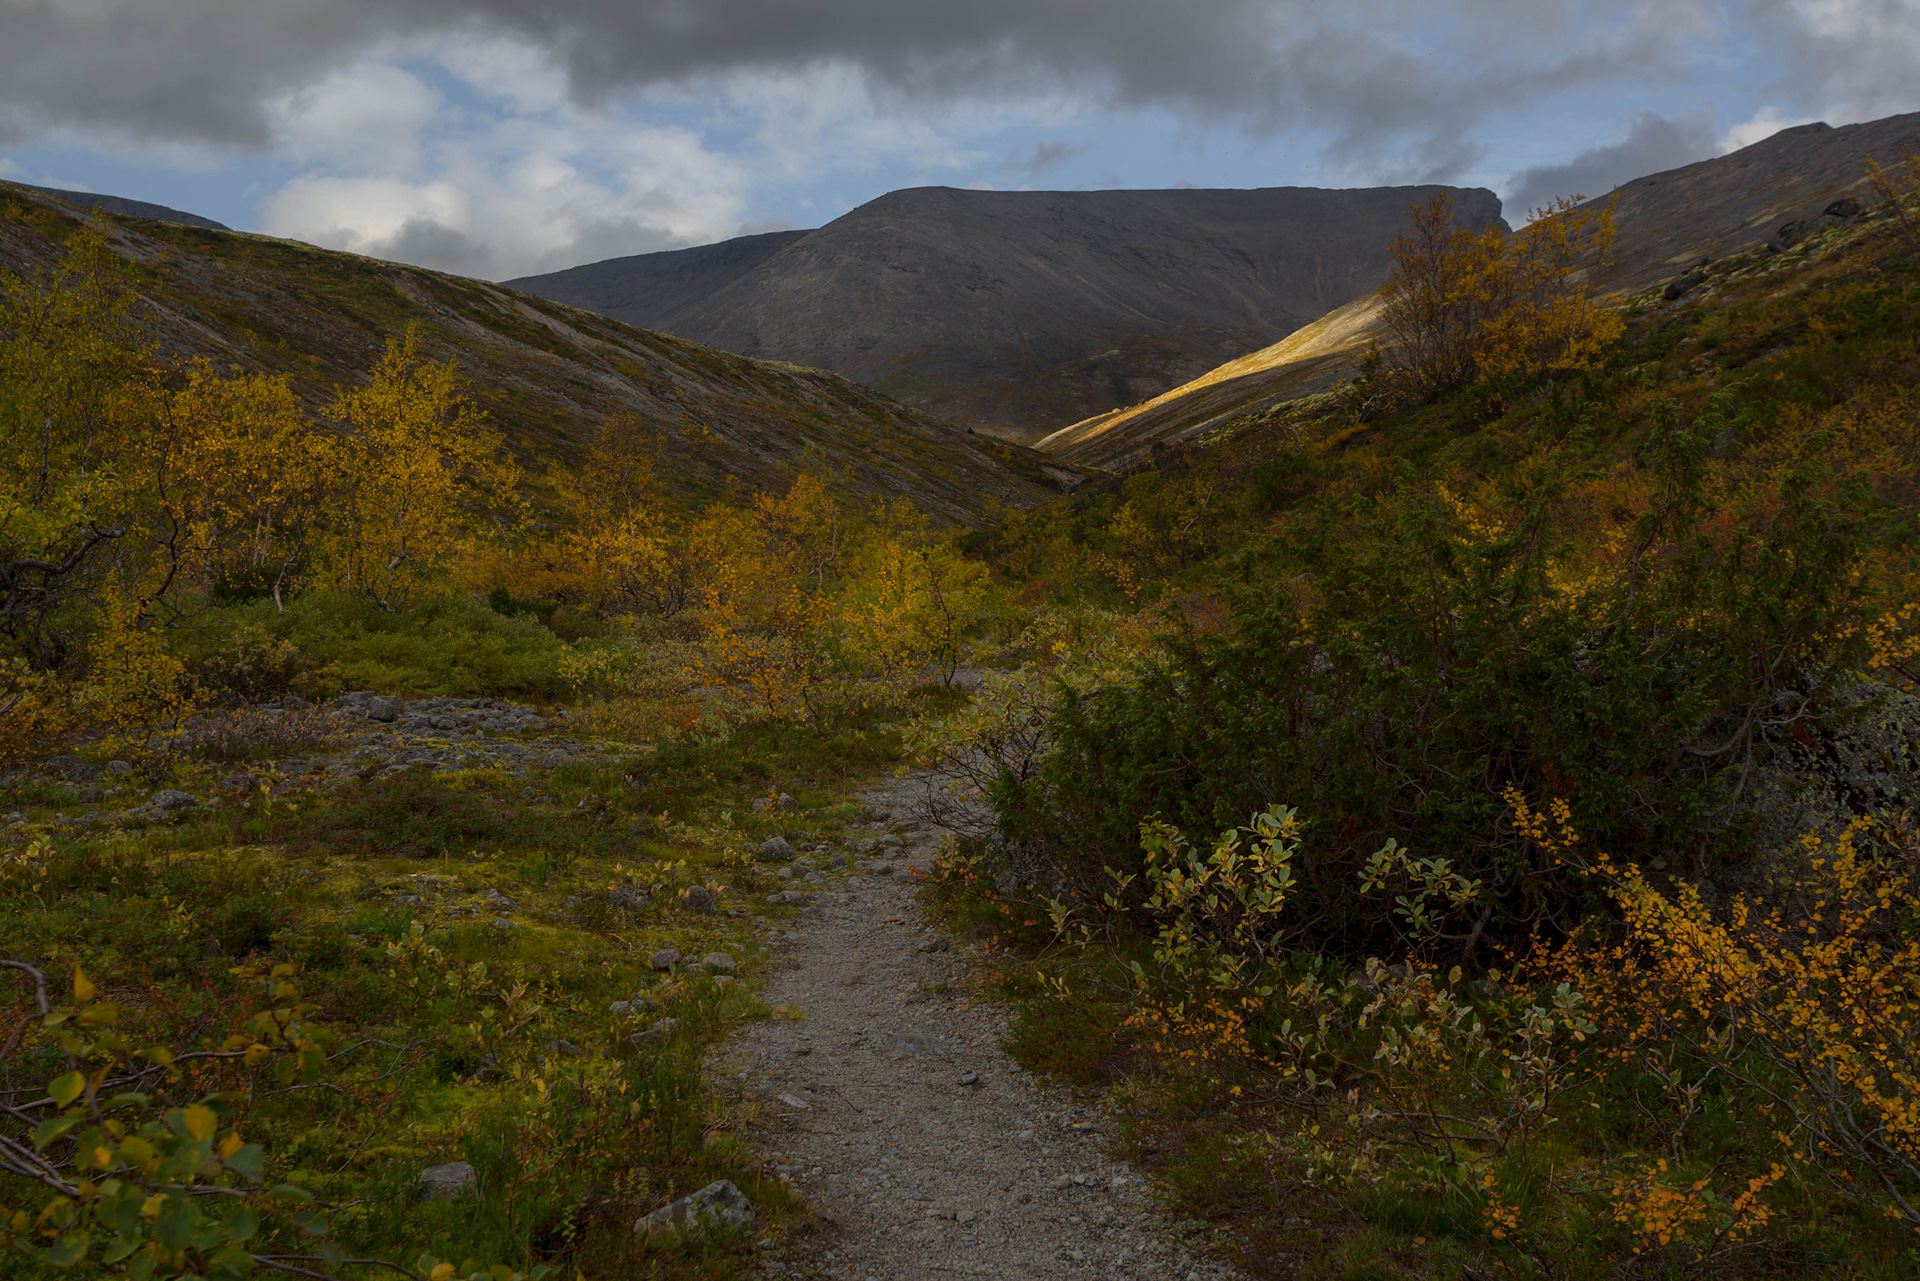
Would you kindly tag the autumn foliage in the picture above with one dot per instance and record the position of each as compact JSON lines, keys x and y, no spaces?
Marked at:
{"x":1466,"y":306}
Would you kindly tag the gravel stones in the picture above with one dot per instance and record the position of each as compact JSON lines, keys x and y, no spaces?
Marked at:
{"x":718,"y":1207}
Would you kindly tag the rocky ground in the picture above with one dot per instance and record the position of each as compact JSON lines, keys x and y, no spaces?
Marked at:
{"x":928,"y":1151}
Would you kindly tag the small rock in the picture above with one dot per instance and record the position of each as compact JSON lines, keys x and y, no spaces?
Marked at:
{"x":408,"y":900}
{"x":621,"y":1009}
{"x":121,"y":768}
{"x":790,"y":898}
{"x":784,"y":874}
{"x":90,"y":795}
{"x":447,"y":1182}
{"x":786,"y":803}
{"x":498,"y":899}
{"x":775,"y":849}
{"x":794,"y":1101}
{"x":891,"y":841}
{"x":719,"y":962}
{"x":503,"y":925}
{"x":699,"y":898}
{"x":815,"y":876}
{"x":964,"y":1216}
{"x":938,"y":943}
{"x":170,"y":802}
{"x":657,"y":1033}
{"x":555,"y":759}
{"x":627,"y":898}
{"x":867,"y":846}
{"x":719,"y":1205}
{"x":666,"y":958}
{"x":1061,"y":1182}
{"x":969,"y":1078}
{"x":382,"y":709}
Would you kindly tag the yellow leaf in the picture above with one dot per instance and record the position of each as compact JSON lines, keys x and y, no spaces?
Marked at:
{"x":230,"y":1145}
{"x":82,"y":989}
{"x":441,"y":1272}
{"x":150,"y":1208}
{"x":201,"y":1121}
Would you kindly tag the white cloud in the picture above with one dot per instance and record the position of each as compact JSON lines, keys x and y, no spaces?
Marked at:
{"x":498,"y":175}
{"x":1763,"y":124}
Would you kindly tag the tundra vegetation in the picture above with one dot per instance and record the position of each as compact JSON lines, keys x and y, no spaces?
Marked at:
{"x":1460,"y":821}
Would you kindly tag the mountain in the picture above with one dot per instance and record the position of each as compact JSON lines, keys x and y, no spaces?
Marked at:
{"x":1020,"y":312}
{"x":653,"y":291}
{"x":1665,"y":224}
{"x":127,"y":208}
{"x":548,"y":374}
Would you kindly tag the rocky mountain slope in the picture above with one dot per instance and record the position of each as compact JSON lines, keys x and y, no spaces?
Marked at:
{"x":548,"y":374}
{"x":1666,"y":224}
{"x":1020,"y":312}
{"x":129,"y":208}
{"x":655,"y":291}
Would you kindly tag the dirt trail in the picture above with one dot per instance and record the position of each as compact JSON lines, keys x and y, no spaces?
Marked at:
{"x":931,"y":1152}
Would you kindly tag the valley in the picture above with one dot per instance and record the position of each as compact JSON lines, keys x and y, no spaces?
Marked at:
{"x":1390,"y":783}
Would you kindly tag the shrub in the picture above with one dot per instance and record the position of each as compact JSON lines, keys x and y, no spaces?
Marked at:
{"x":1444,"y":653}
{"x":444,"y":645}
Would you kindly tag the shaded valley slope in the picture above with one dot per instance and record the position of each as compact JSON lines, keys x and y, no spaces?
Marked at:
{"x":548,"y":374}
{"x":1021,"y":312}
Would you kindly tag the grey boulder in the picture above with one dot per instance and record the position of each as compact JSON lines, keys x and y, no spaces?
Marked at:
{"x":718,"y":1206}
{"x":775,"y":849}
{"x":446,"y":1182}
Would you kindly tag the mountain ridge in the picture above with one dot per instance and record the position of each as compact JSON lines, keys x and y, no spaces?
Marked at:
{"x":1018,"y":312}
{"x":1666,"y":223}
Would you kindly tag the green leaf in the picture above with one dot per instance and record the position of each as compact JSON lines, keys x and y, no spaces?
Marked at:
{"x":52,"y":1128}
{"x":250,"y":1162}
{"x":287,"y":1192}
{"x":65,"y":1089}
{"x":176,"y":1223}
{"x":242,"y":1223}
{"x":67,"y":1251}
{"x":119,"y":1248}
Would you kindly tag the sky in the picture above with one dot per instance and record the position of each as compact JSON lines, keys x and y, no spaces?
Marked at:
{"x":500,"y":138}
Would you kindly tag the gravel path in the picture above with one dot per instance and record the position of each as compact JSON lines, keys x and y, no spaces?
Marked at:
{"x":929,"y":1152}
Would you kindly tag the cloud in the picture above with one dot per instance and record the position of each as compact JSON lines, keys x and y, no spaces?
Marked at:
{"x":489,"y":175}
{"x":1046,"y":157}
{"x":1763,"y":124}
{"x":1653,"y":143}
{"x":1369,"y":71}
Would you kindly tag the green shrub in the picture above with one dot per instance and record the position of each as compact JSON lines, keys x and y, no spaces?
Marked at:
{"x":1433,"y":665}
{"x":447,"y":645}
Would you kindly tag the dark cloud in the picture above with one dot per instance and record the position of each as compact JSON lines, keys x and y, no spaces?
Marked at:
{"x":201,"y":70}
{"x":1046,"y":157}
{"x":1653,"y":143}
{"x":1381,"y":78}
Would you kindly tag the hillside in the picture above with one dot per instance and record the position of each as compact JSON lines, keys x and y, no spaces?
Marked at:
{"x":655,"y":291}
{"x":548,"y":374}
{"x":128,"y":208}
{"x":1667,"y":222}
{"x":1020,"y":312}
